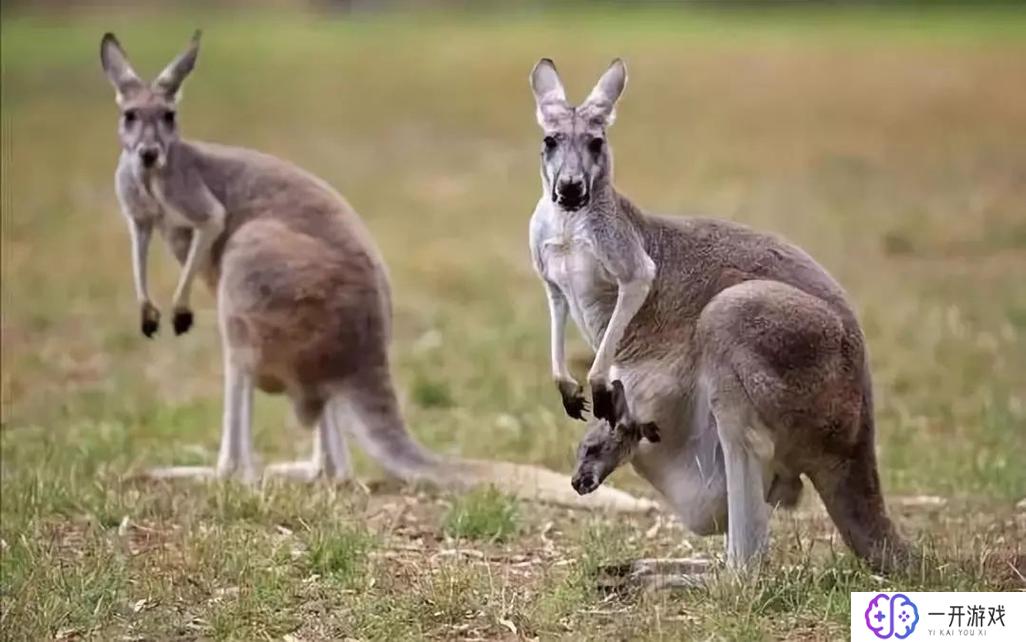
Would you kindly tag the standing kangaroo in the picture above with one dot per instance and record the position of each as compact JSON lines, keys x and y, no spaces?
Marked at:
{"x":740,"y":349}
{"x":302,"y":295}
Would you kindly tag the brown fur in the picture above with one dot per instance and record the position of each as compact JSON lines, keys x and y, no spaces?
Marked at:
{"x":303,"y":298}
{"x":737,"y":345}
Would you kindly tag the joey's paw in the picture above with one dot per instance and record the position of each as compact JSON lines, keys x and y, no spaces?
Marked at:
{"x":604,"y":401}
{"x":182,"y":320}
{"x":149,"y":319}
{"x":574,"y":401}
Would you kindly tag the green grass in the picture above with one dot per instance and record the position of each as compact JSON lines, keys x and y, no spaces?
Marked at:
{"x":884,"y":143}
{"x":485,"y":514}
{"x":341,"y":555}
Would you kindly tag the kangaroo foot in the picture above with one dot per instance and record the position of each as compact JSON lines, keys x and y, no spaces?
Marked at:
{"x":246,"y":475}
{"x":199,"y":473}
{"x":655,"y":574}
{"x":305,"y":471}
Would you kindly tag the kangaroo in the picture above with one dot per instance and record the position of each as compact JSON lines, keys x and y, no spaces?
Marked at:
{"x":605,"y":448}
{"x":740,"y":349}
{"x":303,"y":298}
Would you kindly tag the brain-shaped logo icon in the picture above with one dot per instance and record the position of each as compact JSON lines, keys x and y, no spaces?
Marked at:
{"x":892,"y":615}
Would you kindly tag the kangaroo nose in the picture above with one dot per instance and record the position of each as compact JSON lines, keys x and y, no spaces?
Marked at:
{"x":571,"y":189}
{"x":583,"y":484}
{"x":148,"y":157}
{"x":571,"y":194}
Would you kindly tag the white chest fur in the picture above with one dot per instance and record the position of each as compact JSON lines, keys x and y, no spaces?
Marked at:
{"x":142,"y":198}
{"x":171,"y":215}
{"x":569,"y":262}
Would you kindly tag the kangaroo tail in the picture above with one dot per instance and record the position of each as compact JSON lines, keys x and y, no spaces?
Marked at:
{"x":534,"y":483}
{"x":849,"y":485}
{"x":377,"y":425}
{"x":373,"y":418}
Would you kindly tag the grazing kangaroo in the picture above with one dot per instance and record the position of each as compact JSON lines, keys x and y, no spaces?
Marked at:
{"x":737,"y":345}
{"x":302,"y":295}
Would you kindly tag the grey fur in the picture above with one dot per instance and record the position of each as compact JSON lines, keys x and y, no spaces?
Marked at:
{"x":303,"y":297}
{"x":737,"y":345}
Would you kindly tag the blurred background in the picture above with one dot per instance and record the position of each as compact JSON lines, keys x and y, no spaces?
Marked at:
{"x":886,"y":140}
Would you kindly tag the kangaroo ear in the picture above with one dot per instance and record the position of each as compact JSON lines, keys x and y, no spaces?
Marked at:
{"x":549,"y":95}
{"x":601,"y":102}
{"x":650,"y":431}
{"x":169,"y":82}
{"x":115,"y":65}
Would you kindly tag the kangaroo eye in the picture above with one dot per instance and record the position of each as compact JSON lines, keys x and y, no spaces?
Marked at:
{"x":550,"y":143}
{"x":169,"y":118}
{"x":593,"y":451}
{"x":595,"y":145}
{"x":130,"y":116}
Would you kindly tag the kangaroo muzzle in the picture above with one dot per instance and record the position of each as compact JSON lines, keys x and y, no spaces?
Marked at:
{"x":149,"y":156}
{"x":584,"y":483}
{"x":571,"y":194}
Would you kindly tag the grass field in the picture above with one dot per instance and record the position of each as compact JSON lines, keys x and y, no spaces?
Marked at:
{"x":889,"y":145}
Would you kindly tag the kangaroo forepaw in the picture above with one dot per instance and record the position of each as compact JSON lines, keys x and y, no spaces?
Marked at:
{"x":610,"y":402}
{"x":149,"y":319}
{"x":574,"y":401}
{"x":623,"y":418}
{"x":604,"y":401}
{"x":182,"y":320}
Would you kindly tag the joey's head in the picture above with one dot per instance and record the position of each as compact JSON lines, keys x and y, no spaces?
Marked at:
{"x":602,"y":450}
{"x":576,"y":161}
{"x":148,"y":123}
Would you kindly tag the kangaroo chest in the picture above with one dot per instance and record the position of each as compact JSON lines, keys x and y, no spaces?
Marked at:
{"x":172,"y":215}
{"x":142,"y":204}
{"x":590,"y":291}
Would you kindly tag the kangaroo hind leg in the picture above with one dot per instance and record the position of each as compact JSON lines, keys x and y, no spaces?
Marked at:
{"x":747,"y":451}
{"x":330,"y":457}
{"x":235,"y":458}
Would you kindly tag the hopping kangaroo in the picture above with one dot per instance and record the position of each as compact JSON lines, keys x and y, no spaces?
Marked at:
{"x":302,"y":294}
{"x":737,"y":345}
